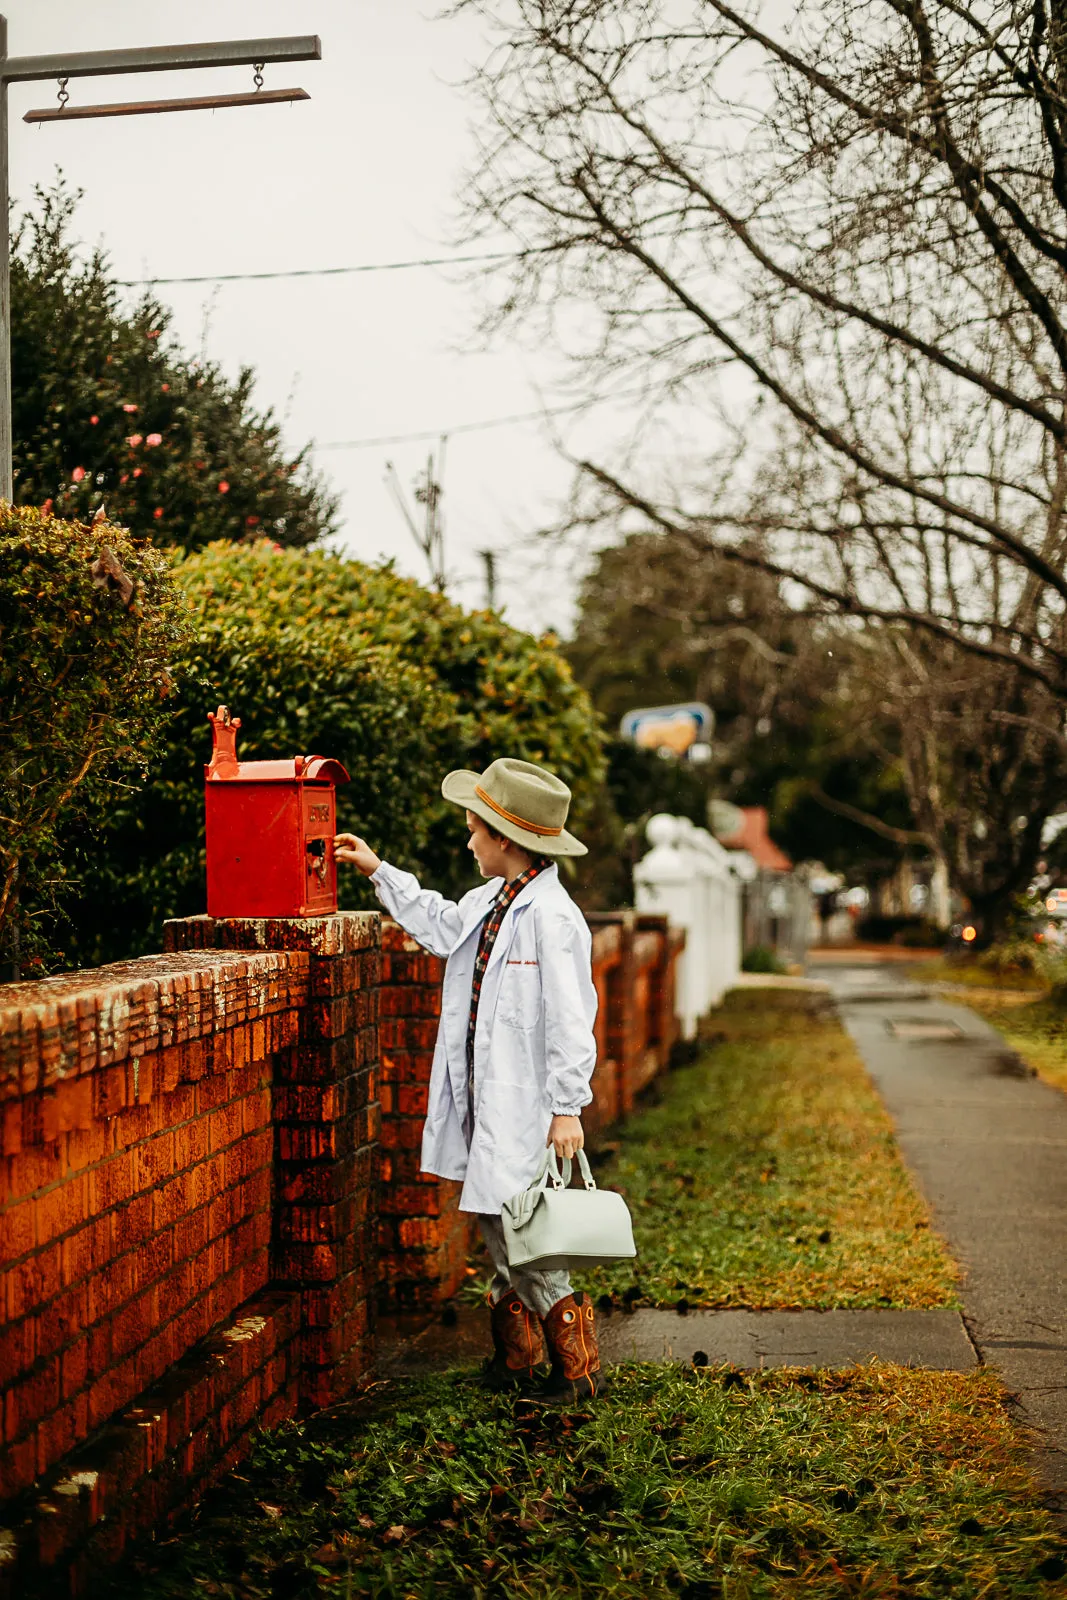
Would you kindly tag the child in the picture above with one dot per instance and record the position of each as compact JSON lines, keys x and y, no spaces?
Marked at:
{"x":515,"y":1047}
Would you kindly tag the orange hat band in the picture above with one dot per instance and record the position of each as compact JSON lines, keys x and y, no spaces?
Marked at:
{"x":520,"y":822}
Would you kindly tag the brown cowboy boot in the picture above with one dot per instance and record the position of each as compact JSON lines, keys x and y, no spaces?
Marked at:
{"x":518,"y":1344}
{"x":570,"y":1329}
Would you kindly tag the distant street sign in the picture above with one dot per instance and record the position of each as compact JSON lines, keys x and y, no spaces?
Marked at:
{"x":679,"y":731}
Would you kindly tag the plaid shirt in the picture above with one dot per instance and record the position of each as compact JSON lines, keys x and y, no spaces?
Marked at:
{"x":486,"y":941}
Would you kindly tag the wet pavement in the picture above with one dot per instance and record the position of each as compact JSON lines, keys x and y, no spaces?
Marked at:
{"x":986,"y":1141}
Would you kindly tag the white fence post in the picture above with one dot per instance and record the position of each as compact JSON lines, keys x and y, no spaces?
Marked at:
{"x":687,"y":875}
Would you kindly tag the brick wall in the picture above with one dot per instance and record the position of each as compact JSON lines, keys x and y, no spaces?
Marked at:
{"x":608,"y":971}
{"x":136,"y":1216}
{"x":188,"y":1221}
{"x":634,"y":968}
{"x":327,"y":1121}
{"x":424,"y":1239}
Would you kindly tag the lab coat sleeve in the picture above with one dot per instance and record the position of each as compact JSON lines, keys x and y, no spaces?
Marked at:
{"x":431,"y":919}
{"x":569,"y":998}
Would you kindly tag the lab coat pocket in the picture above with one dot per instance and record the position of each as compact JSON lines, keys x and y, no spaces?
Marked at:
{"x":519,"y":1000}
{"x":512,"y":1119}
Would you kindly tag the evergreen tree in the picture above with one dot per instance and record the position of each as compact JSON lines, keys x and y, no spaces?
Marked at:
{"x":107,"y":410}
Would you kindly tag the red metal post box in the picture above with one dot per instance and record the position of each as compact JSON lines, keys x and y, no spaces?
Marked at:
{"x":270,"y":828}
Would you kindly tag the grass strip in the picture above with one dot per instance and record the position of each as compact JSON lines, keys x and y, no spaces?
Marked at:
{"x":1036,"y":1029}
{"x":768,"y":1175}
{"x":878,"y":1481}
{"x":965,"y":975}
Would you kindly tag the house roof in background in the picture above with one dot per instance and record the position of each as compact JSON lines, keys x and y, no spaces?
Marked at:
{"x":754,"y":837}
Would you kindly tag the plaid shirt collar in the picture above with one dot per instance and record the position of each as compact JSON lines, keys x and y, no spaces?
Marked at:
{"x":487,"y":939}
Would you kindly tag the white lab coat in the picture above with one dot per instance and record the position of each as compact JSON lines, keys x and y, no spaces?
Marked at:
{"x":534,"y":1049}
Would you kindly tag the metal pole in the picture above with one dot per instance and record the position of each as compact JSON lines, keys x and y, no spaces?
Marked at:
{"x":489,"y":557}
{"x":6,"y":485}
{"x":164,"y":58}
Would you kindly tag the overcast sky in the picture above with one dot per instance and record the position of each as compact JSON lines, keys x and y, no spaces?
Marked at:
{"x":365,"y":172}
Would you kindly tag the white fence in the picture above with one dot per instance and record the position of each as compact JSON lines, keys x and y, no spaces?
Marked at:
{"x":687,"y":874}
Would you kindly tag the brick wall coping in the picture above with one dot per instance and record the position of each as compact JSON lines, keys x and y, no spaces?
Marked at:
{"x":647,"y":947}
{"x":73,"y":1023}
{"x":337,"y":934}
{"x":607,"y":941}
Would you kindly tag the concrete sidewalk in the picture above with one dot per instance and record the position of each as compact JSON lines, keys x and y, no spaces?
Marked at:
{"x":987,"y":1143}
{"x":934,"y":1339}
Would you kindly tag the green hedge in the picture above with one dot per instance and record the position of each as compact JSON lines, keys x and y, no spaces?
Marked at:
{"x":317,"y":654}
{"x":87,"y":674}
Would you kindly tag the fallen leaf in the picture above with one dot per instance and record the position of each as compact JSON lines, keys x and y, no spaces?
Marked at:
{"x":328,"y":1555}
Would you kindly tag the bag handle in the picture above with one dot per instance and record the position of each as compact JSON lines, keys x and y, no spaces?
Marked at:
{"x":563,"y":1181}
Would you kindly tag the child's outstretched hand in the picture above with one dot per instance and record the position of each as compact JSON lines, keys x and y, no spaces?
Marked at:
{"x":346,"y":847}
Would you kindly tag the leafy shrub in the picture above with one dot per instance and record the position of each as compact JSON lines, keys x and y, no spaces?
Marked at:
{"x":508,"y":693}
{"x":86,"y":672}
{"x":761,"y":958}
{"x":317,"y":654}
{"x":1013,"y":958}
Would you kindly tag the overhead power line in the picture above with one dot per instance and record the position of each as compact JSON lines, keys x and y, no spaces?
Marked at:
{"x":326,"y":272}
{"x":488,"y":422}
{"x":462,"y":427}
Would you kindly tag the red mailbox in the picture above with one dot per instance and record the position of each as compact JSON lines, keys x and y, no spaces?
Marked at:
{"x":270,"y":828}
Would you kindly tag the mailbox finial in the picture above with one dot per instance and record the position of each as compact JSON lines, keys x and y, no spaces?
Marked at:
{"x":224,"y":742}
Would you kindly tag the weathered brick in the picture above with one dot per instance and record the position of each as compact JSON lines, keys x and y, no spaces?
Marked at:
{"x":85,"y":1249}
{"x":61,"y":1319}
{"x":111,"y":1182}
{"x":327,"y":1019}
{"x":31,"y":1397}
{"x":406,"y":1033}
{"x":62,"y":1209}
{"x":34,"y":1168}
{"x":191,"y":1143}
{"x":108,"y":1090}
{"x":213,"y":1090}
{"x":400,"y":1134}
{"x":18,"y":1466}
{"x":68,"y":1107}
{"x":86,"y":1146}
{"x":153,"y":1161}
{"x":407,"y":1066}
{"x":224,"y":1126}
{"x":409,"y":1000}
{"x":18,"y":1230}
{"x":18,"y":1348}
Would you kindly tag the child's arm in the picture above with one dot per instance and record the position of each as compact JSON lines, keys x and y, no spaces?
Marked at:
{"x":569,"y":999}
{"x":431,"y":919}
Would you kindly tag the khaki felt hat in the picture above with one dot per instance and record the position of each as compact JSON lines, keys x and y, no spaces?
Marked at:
{"x":525,"y":803}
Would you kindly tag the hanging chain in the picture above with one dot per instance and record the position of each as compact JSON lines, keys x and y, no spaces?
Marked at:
{"x":63,"y":95}
{"x":258,"y":77}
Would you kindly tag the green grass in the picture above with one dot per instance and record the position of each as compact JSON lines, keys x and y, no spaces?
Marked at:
{"x":972,"y":974}
{"x":768,"y":1175}
{"x":1036,"y":1030}
{"x":879,"y":1481}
